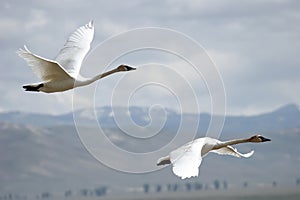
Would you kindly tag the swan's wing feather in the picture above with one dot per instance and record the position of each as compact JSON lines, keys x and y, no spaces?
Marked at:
{"x":187,"y":159}
{"x":187,"y":165}
{"x":45,"y":69}
{"x":75,"y":49}
{"x":229,"y":150}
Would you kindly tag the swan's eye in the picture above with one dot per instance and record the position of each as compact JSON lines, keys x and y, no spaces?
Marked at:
{"x":261,"y":138}
{"x":127,"y":68}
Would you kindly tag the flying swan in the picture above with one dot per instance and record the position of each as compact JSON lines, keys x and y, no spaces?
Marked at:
{"x":62,"y":73}
{"x":187,"y":159}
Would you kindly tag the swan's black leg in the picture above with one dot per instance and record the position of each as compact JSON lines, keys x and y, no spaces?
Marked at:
{"x":33,"y":88}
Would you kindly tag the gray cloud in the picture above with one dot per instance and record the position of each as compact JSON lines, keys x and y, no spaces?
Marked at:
{"x":254,"y":44}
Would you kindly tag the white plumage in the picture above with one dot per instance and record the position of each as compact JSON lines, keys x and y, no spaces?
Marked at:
{"x":63,"y":73}
{"x":187,"y":158}
{"x":75,"y":49}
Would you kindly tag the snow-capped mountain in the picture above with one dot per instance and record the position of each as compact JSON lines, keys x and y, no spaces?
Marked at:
{"x":41,"y":151}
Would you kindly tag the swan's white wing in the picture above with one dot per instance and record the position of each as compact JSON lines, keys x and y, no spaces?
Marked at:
{"x":45,"y":69}
{"x":229,"y":150}
{"x":187,"y":159}
{"x":78,"y":44}
{"x":187,"y":165}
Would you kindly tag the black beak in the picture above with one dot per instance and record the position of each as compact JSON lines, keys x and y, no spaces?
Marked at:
{"x":263,"y":139}
{"x":130,"y":68}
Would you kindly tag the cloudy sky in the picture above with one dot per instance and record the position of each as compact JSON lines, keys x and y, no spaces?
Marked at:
{"x":254,"y":45}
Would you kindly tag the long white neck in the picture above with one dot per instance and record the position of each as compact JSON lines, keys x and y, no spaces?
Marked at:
{"x":230,"y":142}
{"x":87,"y":81}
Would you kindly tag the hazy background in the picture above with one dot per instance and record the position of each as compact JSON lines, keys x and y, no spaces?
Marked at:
{"x":254,"y":45}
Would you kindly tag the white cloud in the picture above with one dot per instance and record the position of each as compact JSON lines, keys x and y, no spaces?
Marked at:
{"x":254,"y":45}
{"x":8,"y":27}
{"x":110,"y":28}
{"x":37,"y":19}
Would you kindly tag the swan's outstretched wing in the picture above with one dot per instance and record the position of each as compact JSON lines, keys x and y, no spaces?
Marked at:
{"x":229,"y":150}
{"x":45,"y":69}
{"x":187,"y":159}
{"x":78,"y":44}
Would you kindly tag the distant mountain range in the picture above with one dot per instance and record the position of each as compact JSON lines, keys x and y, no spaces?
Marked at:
{"x":42,"y":152}
{"x":283,"y":118}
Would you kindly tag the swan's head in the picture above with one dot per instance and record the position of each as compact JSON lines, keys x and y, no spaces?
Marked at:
{"x":125,"y":68}
{"x":258,"y":138}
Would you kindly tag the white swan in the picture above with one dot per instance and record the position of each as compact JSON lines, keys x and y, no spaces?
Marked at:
{"x":63,"y":73}
{"x":187,"y":159}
